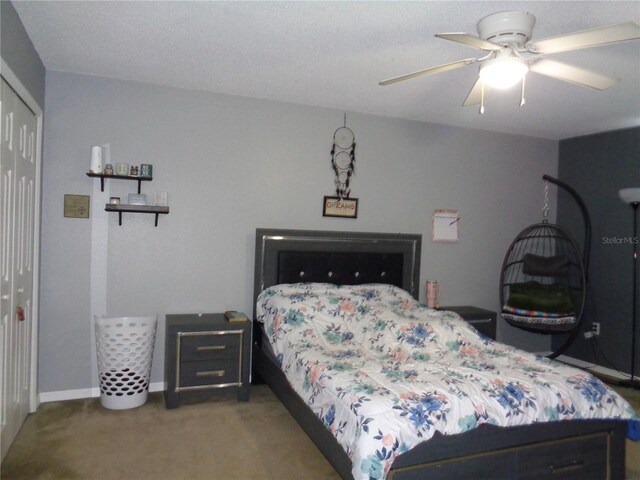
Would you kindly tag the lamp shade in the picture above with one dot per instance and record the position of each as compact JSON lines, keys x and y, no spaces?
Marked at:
{"x":630,"y":195}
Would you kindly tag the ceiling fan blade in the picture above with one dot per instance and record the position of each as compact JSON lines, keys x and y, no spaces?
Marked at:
{"x":475,"y":95}
{"x":470,"y":40}
{"x":571,"y":74}
{"x":429,"y":71}
{"x":587,"y":38}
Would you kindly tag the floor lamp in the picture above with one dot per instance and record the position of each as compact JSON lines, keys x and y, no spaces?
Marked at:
{"x":632,"y":197}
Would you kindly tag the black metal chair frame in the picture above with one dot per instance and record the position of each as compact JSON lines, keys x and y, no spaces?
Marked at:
{"x":547,"y":240}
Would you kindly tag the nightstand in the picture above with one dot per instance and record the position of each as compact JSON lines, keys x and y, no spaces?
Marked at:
{"x":483,"y":320}
{"x":205,"y":352}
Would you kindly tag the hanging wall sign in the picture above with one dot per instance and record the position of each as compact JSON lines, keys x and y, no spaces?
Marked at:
{"x":340,"y":207}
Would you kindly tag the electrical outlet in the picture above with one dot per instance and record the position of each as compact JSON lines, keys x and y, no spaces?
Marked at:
{"x":595,"y":328}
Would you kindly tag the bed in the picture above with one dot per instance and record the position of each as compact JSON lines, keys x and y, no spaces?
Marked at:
{"x":557,"y":449}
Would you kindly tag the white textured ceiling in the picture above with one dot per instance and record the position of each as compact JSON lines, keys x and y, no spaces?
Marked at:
{"x":332,"y":54}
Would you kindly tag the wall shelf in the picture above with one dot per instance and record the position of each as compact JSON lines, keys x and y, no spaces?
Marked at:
{"x":124,"y":208}
{"x":102,"y":176}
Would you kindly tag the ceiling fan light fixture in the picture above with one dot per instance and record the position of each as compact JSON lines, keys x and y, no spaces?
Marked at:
{"x":503,"y":73}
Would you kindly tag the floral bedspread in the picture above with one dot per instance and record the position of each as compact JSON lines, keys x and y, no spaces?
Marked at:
{"x":384,"y":372}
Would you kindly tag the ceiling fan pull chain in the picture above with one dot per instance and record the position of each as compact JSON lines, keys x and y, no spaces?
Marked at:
{"x":522,"y":100}
{"x":482,"y":99}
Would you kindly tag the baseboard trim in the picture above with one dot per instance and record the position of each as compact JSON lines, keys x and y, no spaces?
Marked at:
{"x":61,"y":395}
{"x":85,"y":393}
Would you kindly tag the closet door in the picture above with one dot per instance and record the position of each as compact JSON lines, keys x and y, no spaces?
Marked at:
{"x":18,"y":126}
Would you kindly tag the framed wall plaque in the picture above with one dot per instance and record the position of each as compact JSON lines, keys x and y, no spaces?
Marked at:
{"x":76,"y":206}
{"x":445,"y":225}
{"x":340,"y":207}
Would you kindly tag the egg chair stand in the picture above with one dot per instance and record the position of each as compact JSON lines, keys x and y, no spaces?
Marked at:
{"x":543,"y":281}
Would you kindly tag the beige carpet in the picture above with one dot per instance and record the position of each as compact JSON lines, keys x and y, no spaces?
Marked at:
{"x":218,"y":439}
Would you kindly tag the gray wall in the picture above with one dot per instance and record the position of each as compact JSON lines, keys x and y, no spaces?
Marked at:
{"x":17,"y":51}
{"x":597,"y":166}
{"x":233,"y":164}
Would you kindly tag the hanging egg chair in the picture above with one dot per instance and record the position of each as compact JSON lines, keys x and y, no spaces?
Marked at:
{"x":543,"y":282}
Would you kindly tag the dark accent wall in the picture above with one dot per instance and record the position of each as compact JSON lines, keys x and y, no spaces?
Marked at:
{"x":598,"y":166}
{"x":17,"y":51}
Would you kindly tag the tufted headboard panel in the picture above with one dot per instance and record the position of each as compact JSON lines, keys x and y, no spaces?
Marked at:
{"x":341,"y":268}
{"x":343,"y":258}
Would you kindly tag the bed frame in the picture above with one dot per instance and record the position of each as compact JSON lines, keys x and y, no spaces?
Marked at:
{"x":578,"y":449}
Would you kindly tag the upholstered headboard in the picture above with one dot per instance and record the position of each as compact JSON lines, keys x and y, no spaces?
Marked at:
{"x":343,"y":258}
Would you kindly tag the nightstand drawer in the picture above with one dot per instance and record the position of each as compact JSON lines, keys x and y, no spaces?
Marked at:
{"x":209,"y":345}
{"x":209,"y":372}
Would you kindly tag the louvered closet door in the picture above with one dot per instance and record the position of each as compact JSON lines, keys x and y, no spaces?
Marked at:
{"x":17,"y":208}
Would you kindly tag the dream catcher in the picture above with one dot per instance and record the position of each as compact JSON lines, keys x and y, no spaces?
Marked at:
{"x":343,"y":159}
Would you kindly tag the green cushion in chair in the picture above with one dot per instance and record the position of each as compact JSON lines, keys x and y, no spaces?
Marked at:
{"x":544,"y":298}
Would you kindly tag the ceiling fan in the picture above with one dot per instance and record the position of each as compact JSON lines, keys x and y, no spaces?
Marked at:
{"x":505,"y":36}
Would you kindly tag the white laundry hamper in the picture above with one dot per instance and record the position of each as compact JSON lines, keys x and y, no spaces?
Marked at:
{"x":124,"y":348}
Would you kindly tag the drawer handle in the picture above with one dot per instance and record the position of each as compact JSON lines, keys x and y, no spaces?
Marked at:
{"x":210,"y":347}
{"x":576,"y":465}
{"x":210,"y":373}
